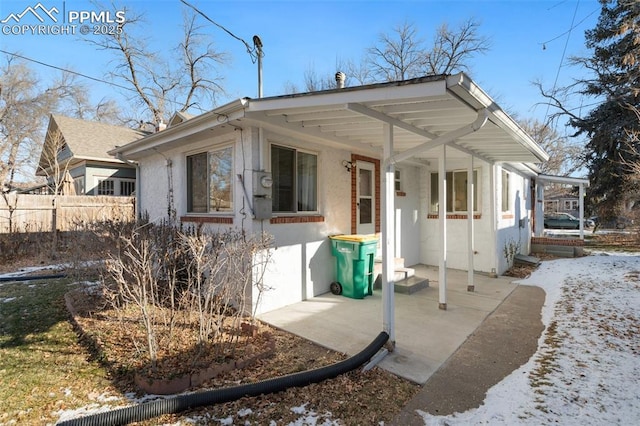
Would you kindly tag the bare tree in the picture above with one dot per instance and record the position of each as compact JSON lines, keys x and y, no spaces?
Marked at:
{"x":25,"y":105}
{"x":54,"y":163}
{"x":565,"y":155}
{"x":398,"y":55}
{"x":184,"y":81}
{"x":401,"y":54}
{"x":359,"y":73}
{"x":453,"y":49}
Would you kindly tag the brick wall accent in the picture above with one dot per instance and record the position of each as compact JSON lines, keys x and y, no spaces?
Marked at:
{"x":455,"y":216}
{"x":354,"y":192}
{"x":296,"y":219}
{"x":570,"y":242}
{"x":207,"y":219}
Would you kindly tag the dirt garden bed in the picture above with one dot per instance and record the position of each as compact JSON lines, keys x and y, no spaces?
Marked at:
{"x":354,"y":398}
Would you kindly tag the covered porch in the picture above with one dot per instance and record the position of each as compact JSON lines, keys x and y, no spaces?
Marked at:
{"x":429,"y":335}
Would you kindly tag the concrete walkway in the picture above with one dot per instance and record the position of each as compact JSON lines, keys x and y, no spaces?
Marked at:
{"x":426,"y":337}
{"x":504,"y":341}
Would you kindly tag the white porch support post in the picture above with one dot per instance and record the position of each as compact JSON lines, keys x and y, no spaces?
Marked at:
{"x":539,"y":225}
{"x":581,"y":209}
{"x":388,"y":237}
{"x":442,"y":219}
{"x":470,"y":224}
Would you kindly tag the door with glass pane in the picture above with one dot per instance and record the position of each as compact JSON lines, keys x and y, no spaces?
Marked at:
{"x":365,"y":197}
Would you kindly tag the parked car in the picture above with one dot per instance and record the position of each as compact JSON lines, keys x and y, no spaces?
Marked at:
{"x":619,"y":222}
{"x":565,"y":221}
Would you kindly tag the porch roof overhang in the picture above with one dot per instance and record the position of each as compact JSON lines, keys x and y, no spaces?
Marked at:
{"x":425,"y":112}
{"x":437,"y":108}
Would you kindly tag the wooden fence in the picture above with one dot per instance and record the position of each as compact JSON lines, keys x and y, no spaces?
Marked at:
{"x":45,"y":213}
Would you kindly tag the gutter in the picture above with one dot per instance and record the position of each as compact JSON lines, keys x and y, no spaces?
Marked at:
{"x":460,"y":84}
{"x":216,"y":116}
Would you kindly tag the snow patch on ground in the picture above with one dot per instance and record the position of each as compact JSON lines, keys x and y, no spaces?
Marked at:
{"x":586,"y":369}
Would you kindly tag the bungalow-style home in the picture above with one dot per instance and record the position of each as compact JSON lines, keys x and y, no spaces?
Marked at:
{"x":77,"y":150}
{"x":431,"y":165}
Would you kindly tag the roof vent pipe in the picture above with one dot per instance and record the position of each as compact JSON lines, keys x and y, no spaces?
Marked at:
{"x":340,"y":79}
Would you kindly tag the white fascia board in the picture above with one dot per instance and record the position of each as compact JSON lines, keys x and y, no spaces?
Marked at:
{"x":341,"y":97}
{"x":563,"y":179}
{"x":462,"y":86}
{"x":219,"y":116}
{"x":526,"y":169}
{"x":99,"y":159}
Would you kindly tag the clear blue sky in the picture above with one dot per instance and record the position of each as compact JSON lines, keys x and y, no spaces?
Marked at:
{"x":298,"y":35}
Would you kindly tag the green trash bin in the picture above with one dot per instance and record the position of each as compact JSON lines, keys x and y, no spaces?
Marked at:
{"x":355,"y":256}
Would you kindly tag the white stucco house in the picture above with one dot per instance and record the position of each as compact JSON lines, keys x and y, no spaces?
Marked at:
{"x":432,"y":165}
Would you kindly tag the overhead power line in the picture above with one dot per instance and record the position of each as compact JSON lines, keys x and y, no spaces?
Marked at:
{"x":544,"y":44}
{"x":79,"y":74}
{"x":16,"y":55}
{"x":252,"y":51}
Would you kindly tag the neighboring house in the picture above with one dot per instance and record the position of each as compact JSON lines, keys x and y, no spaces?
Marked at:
{"x":561,"y":202}
{"x":385,"y":158}
{"x":81,"y":155}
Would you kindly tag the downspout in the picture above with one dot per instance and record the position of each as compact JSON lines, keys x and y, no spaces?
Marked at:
{"x":121,"y":157}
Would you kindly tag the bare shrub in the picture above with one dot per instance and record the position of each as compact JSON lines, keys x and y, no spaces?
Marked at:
{"x":175,"y":279}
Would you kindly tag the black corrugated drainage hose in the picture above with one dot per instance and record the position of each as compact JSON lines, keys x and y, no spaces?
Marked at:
{"x":31,"y":277}
{"x":183,"y":402}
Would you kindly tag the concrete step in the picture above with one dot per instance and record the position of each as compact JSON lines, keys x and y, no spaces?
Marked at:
{"x":406,"y":285}
{"x":397,"y":261}
{"x":411,"y":285}
{"x":399,"y":274}
{"x":398,"y":264}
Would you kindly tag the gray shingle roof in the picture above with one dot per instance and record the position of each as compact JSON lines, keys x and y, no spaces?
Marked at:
{"x":92,"y":139}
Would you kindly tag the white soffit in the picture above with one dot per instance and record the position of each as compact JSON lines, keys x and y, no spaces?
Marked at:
{"x":420,"y":110}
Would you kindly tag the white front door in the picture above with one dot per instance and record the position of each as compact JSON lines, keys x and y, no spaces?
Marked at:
{"x":365,"y":197}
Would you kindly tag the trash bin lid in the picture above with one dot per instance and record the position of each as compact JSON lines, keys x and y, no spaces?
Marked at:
{"x":355,"y":237}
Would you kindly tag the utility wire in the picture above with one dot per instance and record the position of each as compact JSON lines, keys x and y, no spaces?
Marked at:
{"x":250,"y":50}
{"x":110,"y":83}
{"x":66,"y":70}
{"x":570,"y":29}
{"x":564,"y":51}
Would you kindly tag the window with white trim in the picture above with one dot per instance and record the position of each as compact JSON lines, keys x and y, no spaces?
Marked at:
{"x":397,"y":179}
{"x":505,"y":191}
{"x":106,"y":187}
{"x":456,"y":192}
{"x":127,"y":187}
{"x":210,"y":181}
{"x":571,"y":205}
{"x":109,"y":186}
{"x":295,"y":180}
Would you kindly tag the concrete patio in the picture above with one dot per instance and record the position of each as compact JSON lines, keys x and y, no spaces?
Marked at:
{"x":425,"y":335}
